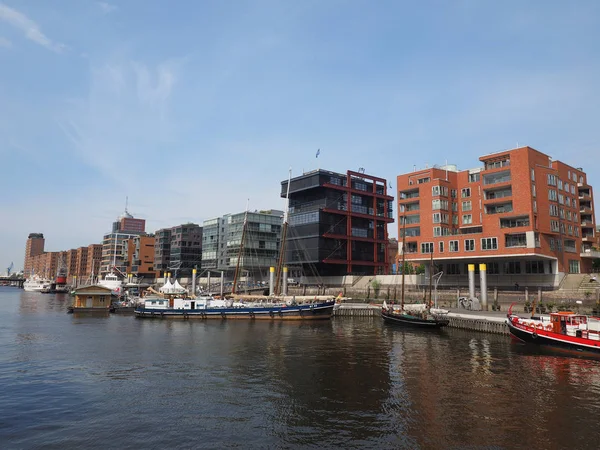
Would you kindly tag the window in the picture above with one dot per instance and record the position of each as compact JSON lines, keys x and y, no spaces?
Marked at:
{"x":514,"y":222}
{"x":499,"y":209}
{"x":453,"y":269}
{"x":454,"y":220}
{"x":568,"y":201}
{"x":560,"y":184}
{"x":566,"y":187}
{"x":489,"y":243}
{"x":440,"y":231}
{"x":412,"y":219}
{"x":561,"y":199}
{"x":552,"y":246}
{"x":554,"y":210}
{"x":409,"y":194}
{"x":552,"y":195}
{"x":441,"y":246}
{"x":499,"y":177}
{"x":439,"y":204}
{"x":532,"y":175}
{"x":580,"y":182}
{"x":497,"y":164}
{"x":453,"y":246}
{"x":512,"y":267}
{"x":493,"y":268}
{"x":535,"y":206}
{"x":467,"y":219}
{"x":572,"y":189}
{"x":439,"y":190}
{"x":515,"y":240}
{"x":423,"y":180}
{"x":473,"y":177}
{"x":440,"y":218}
{"x":551,"y":180}
{"x":470,"y":245}
{"x":427,"y":247}
{"x":454,"y":207}
{"x":466,"y":206}
{"x":534,"y":266}
{"x":554,"y":226}
{"x":573,"y":266}
{"x":453,"y":193}
{"x":533,"y":190}
{"x":465,"y":192}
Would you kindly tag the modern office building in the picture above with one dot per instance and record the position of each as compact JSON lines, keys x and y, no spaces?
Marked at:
{"x":338,"y":223}
{"x":222,"y":243}
{"x":178,"y":249}
{"x":113,"y":243}
{"x":520,"y":212}
{"x":33,"y":247}
{"x":139,"y":257}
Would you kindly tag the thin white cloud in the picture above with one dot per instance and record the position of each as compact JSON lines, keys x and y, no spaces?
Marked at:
{"x":29,"y":27}
{"x":107,"y":8}
{"x":5,"y":43}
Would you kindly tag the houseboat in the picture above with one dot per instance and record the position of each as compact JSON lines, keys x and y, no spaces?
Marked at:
{"x":94,"y":298}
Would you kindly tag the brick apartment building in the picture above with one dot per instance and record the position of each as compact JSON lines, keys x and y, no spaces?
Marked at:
{"x":338,"y":223}
{"x":33,"y":247}
{"x":521,"y":213}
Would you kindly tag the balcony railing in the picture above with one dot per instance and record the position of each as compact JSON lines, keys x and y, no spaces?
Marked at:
{"x":589,"y":253}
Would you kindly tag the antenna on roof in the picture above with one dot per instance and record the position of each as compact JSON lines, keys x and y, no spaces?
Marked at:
{"x":126,"y":202}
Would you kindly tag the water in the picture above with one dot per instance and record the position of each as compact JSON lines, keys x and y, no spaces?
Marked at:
{"x":117,"y":382}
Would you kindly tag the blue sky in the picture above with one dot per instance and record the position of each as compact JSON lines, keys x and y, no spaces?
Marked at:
{"x":191,"y":107}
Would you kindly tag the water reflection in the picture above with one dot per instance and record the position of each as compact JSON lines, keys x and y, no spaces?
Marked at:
{"x":89,"y":382}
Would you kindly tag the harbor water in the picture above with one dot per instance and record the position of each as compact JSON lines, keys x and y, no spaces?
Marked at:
{"x":71,"y":381}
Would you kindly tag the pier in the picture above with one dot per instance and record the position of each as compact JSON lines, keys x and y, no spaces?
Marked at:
{"x":480,"y":321}
{"x":12,"y":281}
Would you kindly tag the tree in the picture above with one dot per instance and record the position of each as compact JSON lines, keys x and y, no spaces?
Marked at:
{"x":420,"y":269}
{"x":596,"y":265}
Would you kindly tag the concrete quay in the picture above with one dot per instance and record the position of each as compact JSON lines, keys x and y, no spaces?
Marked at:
{"x":481,"y":321}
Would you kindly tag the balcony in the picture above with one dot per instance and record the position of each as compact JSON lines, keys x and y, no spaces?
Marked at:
{"x":584,"y":196}
{"x":587,"y":224}
{"x":585,"y":209}
{"x":587,"y":238}
{"x":589,"y":253}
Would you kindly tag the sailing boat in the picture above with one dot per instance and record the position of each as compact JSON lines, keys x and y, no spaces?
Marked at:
{"x":417,"y":315}
{"x":270,"y":308}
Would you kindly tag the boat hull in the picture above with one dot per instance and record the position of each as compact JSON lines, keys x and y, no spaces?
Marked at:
{"x":557,"y":341}
{"x":407,"y":320}
{"x":318,"y":311}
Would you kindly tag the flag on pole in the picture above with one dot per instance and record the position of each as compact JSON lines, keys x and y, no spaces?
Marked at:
{"x":318,"y":153}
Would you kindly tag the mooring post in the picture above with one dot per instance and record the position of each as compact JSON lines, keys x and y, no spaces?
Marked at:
{"x":483,"y":286}
{"x":471,"y":269}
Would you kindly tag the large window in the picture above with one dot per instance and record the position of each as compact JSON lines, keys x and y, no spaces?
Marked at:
{"x":453,"y":245}
{"x":440,"y":218}
{"x":467,"y":219}
{"x":499,"y":209}
{"x":439,"y":204}
{"x":465,"y":192}
{"x":441,"y":244}
{"x":515,"y":240}
{"x":514,"y":222}
{"x":534,"y":266}
{"x":489,"y":243}
{"x":498,"y":177}
{"x":466,"y":206}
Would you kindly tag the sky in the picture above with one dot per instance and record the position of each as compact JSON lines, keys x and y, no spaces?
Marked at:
{"x":190,"y":108}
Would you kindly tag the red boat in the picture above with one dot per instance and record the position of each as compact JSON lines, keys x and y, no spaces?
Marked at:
{"x":564,"y":330}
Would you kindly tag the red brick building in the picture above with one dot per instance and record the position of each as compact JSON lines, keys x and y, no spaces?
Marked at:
{"x":520,"y":212}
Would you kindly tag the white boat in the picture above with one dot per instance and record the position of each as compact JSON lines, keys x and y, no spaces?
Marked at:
{"x":36,"y":284}
{"x":111,"y":281}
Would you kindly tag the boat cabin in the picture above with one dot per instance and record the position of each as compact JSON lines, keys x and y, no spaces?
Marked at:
{"x":569,"y":323}
{"x":94,"y":297}
{"x":171,"y":302}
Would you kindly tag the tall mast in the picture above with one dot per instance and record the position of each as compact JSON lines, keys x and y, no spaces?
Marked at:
{"x":403,"y":256}
{"x":237,"y":266}
{"x":430,"y":278}
{"x":281,"y":259}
